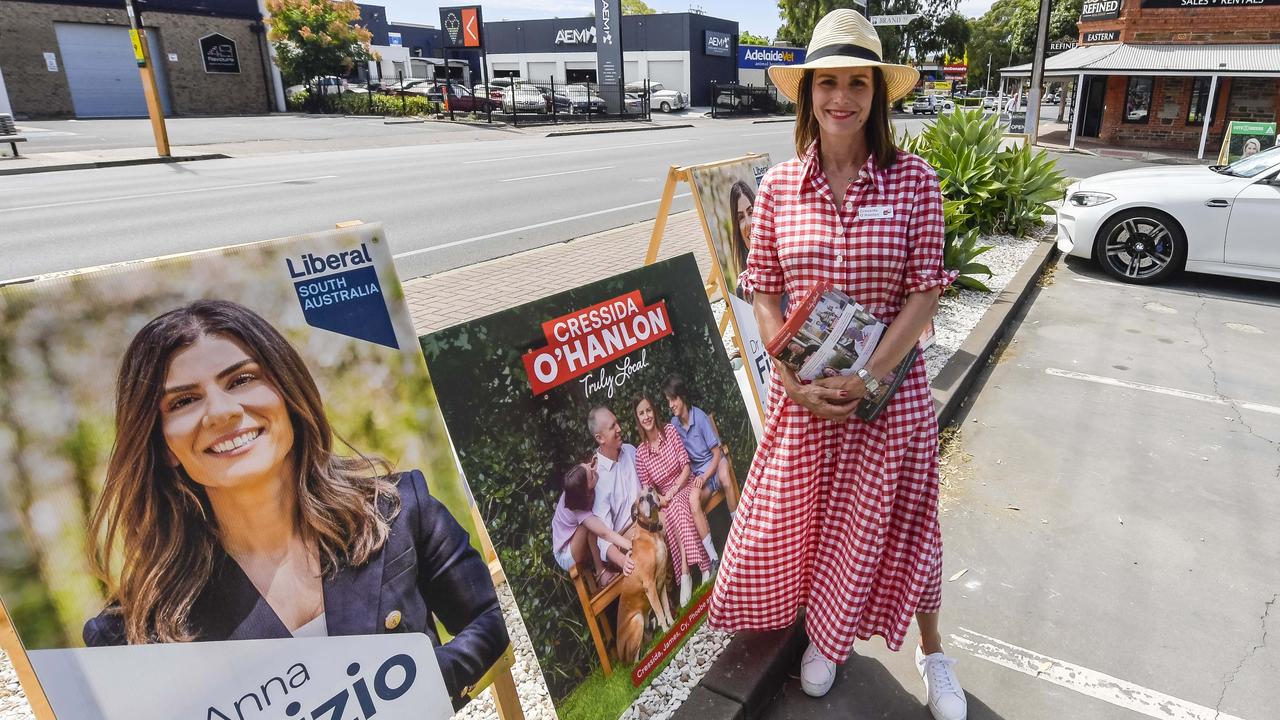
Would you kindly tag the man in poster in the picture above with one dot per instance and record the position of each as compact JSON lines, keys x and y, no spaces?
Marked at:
{"x":618,"y":486}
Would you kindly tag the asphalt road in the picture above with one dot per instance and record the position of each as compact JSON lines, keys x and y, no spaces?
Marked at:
{"x":1110,"y":543}
{"x":446,"y":198}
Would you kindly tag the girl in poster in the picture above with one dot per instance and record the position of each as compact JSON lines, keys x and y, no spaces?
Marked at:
{"x":231,"y":516}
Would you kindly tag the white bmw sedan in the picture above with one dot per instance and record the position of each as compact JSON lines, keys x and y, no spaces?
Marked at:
{"x":1144,"y":225}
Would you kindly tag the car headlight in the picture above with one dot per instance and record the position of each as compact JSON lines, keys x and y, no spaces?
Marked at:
{"x":1085,"y":198}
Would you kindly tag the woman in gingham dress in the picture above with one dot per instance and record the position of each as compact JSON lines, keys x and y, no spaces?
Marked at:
{"x":663,"y":464}
{"x":839,"y":515}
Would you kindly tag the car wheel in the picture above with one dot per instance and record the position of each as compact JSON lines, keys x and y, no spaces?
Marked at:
{"x":666,"y":107}
{"x":1141,"y":246}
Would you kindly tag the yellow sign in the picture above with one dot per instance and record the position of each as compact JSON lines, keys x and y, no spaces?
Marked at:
{"x":944,"y":86}
{"x":137,"y":48}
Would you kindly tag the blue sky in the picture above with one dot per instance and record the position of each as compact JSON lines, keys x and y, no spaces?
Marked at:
{"x":756,"y":16}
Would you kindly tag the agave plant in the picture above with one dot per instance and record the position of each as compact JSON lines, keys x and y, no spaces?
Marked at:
{"x":961,"y":249}
{"x":1032,"y":180}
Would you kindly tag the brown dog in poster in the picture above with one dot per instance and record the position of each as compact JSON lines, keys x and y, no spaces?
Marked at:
{"x":646,"y":588}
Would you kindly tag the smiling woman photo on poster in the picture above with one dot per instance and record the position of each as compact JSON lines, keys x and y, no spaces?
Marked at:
{"x":742,"y":200}
{"x":226,"y":513}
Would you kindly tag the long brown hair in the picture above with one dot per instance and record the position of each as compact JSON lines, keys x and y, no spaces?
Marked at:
{"x":880,"y":144}
{"x":158,"y":523}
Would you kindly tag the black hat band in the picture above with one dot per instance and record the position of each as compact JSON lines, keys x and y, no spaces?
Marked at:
{"x":847,"y":50}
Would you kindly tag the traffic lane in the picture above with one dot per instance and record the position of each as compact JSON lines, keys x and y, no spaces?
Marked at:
{"x":422,"y":208}
{"x":1124,"y":530}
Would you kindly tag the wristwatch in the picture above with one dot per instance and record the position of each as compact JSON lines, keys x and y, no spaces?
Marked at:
{"x":871,"y":381}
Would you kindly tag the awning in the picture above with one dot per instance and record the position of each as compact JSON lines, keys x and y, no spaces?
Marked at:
{"x":1126,"y":59}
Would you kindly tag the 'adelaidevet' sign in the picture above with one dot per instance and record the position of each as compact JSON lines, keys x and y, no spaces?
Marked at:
{"x":1101,"y":10}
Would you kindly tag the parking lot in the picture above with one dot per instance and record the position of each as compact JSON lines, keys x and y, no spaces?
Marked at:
{"x":1109,"y":514}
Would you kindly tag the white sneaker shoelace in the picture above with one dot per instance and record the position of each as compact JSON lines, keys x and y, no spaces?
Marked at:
{"x":942,"y":679}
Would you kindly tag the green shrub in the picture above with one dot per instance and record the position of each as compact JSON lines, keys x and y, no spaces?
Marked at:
{"x":362,"y":104}
{"x":987,"y":190}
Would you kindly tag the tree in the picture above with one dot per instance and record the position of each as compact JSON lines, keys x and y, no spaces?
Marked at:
{"x":1007,"y":34}
{"x":637,"y":7}
{"x":938,"y":29}
{"x":746,"y":38}
{"x":317,"y":37}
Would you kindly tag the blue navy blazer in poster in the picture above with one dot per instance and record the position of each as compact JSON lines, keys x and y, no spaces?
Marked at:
{"x":427,"y":566}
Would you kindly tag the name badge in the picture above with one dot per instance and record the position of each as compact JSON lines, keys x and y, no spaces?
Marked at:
{"x":875,"y":212}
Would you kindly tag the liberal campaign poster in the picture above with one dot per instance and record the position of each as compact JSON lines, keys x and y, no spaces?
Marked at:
{"x":229,"y":493}
{"x":604,"y":435}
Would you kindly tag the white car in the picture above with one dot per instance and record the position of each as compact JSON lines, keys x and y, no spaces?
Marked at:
{"x":1145,"y":225}
{"x":524,"y":98}
{"x":660,"y":97}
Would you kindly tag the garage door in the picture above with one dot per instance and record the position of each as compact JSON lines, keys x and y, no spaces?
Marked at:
{"x":542,"y":71}
{"x":103,"y":76}
{"x":631,"y":70}
{"x":668,"y":72}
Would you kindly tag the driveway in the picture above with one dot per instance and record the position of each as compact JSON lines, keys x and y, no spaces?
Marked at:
{"x":1109,"y":515}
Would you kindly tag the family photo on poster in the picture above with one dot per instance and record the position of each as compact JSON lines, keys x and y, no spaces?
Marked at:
{"x":605,"y":438}
{"x":223,"y":465}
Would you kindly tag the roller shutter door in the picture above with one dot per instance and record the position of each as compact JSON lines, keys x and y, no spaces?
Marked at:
{"x":542,"y":71}
{"x":668,"y":72}
{"x":102,"y":73}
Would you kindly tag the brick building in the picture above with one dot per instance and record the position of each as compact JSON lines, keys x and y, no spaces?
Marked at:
{"x":1171,"y":74}
{"x":74,"y":58}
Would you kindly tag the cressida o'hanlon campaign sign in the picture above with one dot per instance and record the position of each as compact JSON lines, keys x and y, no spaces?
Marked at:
{"x":529,"y":394}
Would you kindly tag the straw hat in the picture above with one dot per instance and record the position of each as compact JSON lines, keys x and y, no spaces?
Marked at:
{"x":844,"y":39}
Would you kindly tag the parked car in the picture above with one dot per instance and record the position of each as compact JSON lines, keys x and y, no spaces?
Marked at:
{"x":926,"y":105}
{"x":633,"y":102}
{"x":660,"y":97}
{"x":494,"y":92}
{"x":989,"y":102}
{"x":460,"y":99}
{"x":326,"y":85}
{"x":576,"y":99}
{"x":1145,"y":225}
{"x":524,"y":98}
{"x":410,"y":86}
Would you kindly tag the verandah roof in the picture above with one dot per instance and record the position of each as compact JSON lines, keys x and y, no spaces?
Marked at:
{"x":1147,"y":59}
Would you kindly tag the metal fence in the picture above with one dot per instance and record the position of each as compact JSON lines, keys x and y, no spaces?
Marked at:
{"x":518,"y":102}
{"x":732,"y":99}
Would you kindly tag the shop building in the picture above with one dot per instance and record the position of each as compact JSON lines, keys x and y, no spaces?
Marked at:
{"x":683,"y":51}
{"x":74,"y":58}
{"x":1167,"y":74}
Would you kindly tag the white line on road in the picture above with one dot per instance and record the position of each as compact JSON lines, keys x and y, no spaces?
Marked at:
{"x":571,"y":152}
{"x":1161,"y":390}
{"x":554,"y":174}
{"x":1083,"y":680}
{"x":163,"y":194}
{"x":535,"y":226}
{"x":762,"y":134}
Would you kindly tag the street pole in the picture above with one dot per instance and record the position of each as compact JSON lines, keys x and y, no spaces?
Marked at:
{"x":150,"y":91}
{"x":986,"y":88}
{"x":1037,"y":72}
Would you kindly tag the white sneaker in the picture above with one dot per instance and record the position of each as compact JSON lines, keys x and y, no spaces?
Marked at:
{"x":817,"y":673}
{"x":686,"y":589}
{"x":946,"y":698}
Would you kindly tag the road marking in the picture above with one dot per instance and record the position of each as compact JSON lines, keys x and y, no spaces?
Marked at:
{"x":1161,"y":390}
{"x":534,"y":226}
{"x":762,"y":134}
{"x":554,"y":174}
{"x":1083,"y":680}
{"x":571,"y":152}
{"x":164,"y":194}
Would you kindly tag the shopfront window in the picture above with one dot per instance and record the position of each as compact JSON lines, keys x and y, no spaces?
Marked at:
{"x":1137,"y":103}
{"x":1198,"y":107}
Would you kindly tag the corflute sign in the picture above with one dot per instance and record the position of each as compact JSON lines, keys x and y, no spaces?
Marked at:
{"x":718,"y":43}
{"x":759,"y":57}
{"x":1100,"y":10}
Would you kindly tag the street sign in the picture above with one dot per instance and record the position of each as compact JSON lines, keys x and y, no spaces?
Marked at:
{"x":462,"y":26}
{"x":1017,"y":123}
{"x":887,"y":20}
{"x":138,"y":56}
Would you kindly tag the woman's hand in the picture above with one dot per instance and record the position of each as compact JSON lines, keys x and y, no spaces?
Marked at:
{"x":699,"y":480}
{"x":825,"y":402}
{"x":851,"y":384}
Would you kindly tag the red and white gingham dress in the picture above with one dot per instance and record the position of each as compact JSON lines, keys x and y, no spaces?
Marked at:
{"x":841,"y":517}
{"x":661,"y":469}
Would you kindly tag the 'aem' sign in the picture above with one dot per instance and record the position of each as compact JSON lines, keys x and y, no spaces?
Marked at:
{"x":576,"y":36}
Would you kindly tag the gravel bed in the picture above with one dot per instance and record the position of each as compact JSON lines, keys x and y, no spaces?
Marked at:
{"x":958,"y":313}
